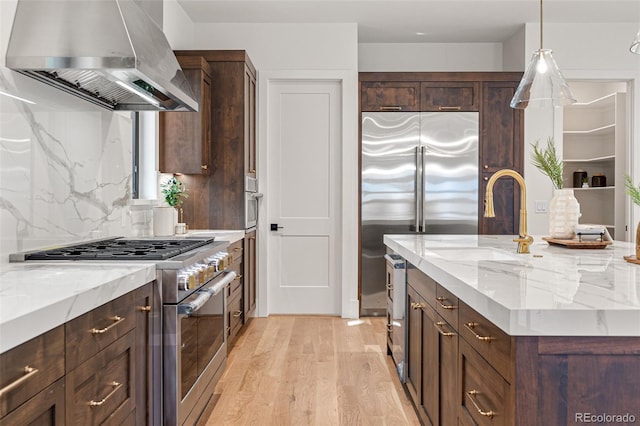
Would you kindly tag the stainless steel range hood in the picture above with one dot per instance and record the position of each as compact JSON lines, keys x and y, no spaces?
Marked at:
{"x":108,"y":52}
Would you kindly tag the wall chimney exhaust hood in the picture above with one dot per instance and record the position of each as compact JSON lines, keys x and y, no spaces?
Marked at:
{"x":108,"y":52}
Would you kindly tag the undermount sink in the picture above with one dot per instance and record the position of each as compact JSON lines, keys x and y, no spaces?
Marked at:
{"x":472,"y":254}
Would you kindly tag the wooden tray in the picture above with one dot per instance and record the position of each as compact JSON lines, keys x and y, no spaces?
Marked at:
{"x":632,"y":259}
{"x":577,"y":244}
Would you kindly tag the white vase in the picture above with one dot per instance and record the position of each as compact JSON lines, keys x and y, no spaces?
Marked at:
{"x":564,"y":212}
{"x":164,"y":221}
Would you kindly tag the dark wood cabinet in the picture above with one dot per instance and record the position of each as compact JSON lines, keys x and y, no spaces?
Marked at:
{"x":501,"y":147}
{"x":450,"y":96}
{"x":250,"y":278}
{"x":501,"y":128}
{"x":390,"y":96}
{"x":185,"y":137}
{"x":217,"y":201}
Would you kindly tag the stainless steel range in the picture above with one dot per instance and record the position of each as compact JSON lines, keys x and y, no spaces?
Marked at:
{"x":190,"y":348}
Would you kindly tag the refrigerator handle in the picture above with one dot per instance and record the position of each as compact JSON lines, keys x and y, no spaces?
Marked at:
{"x":423,"y":178}
{"x":418,"y":183}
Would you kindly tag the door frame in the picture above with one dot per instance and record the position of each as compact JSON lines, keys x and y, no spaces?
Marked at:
{"x":348,"y":237}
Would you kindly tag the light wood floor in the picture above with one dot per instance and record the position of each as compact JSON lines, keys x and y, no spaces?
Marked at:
{"x":290,"y":370}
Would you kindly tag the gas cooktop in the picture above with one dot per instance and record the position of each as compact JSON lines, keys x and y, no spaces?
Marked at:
{"x":120,"y":249}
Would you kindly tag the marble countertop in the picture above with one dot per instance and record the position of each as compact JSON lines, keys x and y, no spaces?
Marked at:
{"x":552,"y":291}
{"x":36,"y":297}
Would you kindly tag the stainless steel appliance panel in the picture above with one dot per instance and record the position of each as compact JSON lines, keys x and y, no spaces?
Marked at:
{"x":388,"y":203}
{"x":450,"y":177}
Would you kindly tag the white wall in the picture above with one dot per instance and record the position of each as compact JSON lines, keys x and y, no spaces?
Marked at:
{"x":323,"y":51}
{"x":416,"y":57}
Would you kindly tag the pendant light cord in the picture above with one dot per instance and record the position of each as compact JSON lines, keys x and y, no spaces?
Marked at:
{"x":540,"y":24}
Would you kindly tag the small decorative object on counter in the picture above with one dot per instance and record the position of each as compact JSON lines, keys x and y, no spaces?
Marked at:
{"x":579,"y":177}
{"x":165,"y":218}
{"x":598,"y":180}
{"x":564,"y":210}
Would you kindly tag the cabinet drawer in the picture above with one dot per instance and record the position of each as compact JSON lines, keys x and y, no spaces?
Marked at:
{"x":234,"y":316}
{"x":47,"y":407}
{"x":424,"y":285}
{"x":447,"y":306}
{"x":484,"y":393}
{"x":29,"y":368}
{"x":390,"y":96}
{"x":491,"y":342}
{"x":95,"y":330}
{"x":102,"y":389}
{"x":450,"y":96}
{"x":235,"y":251}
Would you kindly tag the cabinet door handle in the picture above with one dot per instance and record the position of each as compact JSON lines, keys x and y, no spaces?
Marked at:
{"x":28,"y":372}
{"x":237,"y":314}
{"x":472,"y":394}
{"x":116,"y":321}
{"x":390,"y":108}
{"x":115,"y":385}
{"x":471,"y":325}
{"x":438,"y":325}
{"x":449,"y":108}
{"x":442,"y":299}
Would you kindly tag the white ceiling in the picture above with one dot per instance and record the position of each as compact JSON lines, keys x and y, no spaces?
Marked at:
{"x":398,"y":21}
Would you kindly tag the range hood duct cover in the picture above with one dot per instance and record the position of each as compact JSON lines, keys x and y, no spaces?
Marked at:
{"x":108,"y":52}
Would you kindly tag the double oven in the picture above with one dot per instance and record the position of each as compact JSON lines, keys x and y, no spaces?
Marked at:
{"x":188,"y":352}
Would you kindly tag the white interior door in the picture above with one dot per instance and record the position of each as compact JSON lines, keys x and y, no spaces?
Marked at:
{"x":304,"y":168}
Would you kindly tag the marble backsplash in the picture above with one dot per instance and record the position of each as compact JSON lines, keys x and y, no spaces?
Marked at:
{"x":65,"y":169}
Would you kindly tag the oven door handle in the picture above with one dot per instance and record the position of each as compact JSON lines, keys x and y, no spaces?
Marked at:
{"x":219,"y":285}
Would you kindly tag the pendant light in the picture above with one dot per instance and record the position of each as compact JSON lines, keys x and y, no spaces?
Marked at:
{"x":635,"y":46}
{"x":542,"y":84}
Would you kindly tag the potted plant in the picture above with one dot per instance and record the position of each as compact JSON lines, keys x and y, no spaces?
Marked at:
{"x":634,"y":193}
{"x":564,"y":209}
{"x":165,"y":218}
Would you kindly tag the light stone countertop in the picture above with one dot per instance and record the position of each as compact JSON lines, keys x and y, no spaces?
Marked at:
{"x":553,"y":291}
{"x":37,"y":297}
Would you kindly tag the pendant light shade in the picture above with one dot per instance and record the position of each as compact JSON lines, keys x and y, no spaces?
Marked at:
{"x":635,"y":46}
{"x":542,"y":85}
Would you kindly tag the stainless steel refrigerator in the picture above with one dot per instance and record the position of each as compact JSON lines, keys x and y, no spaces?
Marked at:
{"x":419,"y":175}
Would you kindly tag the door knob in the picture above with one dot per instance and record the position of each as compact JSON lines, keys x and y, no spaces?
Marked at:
{"x":275,"y":227}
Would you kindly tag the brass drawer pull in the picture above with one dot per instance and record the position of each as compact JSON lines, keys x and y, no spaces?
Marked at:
{"x":115,"y":385}
{"x":237,"y":314}
{"x":28,"y":372}
{"x":449,"y":108}
{"x":116,"y":320}
{"x":390,"y":108}
{"x":471,"y":325}
{"x":438,"y":325}
{"x":416,"y":306}
{"x":145,"y":308}
{"x":472,"y":396}
{"x":442,"y":299}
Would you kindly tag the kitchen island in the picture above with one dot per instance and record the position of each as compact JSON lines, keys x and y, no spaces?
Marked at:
{"x":496,"y":337}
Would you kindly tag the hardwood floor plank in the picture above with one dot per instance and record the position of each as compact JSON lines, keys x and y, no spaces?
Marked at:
{"x":306,"y":370}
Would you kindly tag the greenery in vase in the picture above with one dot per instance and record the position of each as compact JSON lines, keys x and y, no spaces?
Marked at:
{"x":174,"y":192}
{"x":632,"y":190}
{"x":547,"y":161}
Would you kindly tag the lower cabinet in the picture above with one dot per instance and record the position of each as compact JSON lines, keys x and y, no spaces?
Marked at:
{"x":464,"y":370}
{"x":95,"y":369}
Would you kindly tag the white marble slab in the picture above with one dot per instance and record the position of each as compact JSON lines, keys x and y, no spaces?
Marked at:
{"x":552,"y":291}
{"x":36,"y":297}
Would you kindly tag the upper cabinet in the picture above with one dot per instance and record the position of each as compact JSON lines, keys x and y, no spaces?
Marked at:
{"x":594,"y":142}
{"x":185,"y":137}
{"x":390,"y":96}
{"x":450,"y":96}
